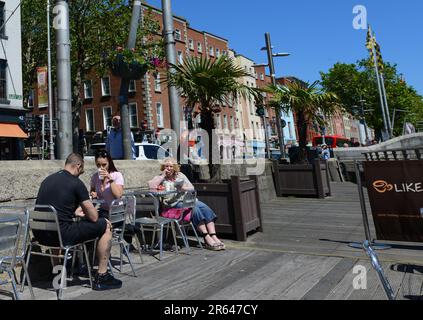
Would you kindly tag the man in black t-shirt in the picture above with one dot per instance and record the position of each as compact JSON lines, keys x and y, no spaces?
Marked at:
{"x":69,"y":196}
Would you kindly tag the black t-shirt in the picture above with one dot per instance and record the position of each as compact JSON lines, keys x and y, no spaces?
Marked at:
{"x":65,"y":193}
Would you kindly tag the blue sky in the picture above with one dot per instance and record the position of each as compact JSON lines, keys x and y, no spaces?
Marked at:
{"x":317,"y":33}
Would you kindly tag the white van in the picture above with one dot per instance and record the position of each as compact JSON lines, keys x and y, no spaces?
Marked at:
{"x":143,"y":151}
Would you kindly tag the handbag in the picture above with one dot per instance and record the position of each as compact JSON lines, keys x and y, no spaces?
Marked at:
{"x":175,"y":213}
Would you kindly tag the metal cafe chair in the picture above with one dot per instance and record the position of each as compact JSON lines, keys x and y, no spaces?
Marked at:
{"x":148,"y":219}
{"x":188,"y":202}
{"x":10,"y":233}
{"x":117,"y":216}
{"x":23,"y":214}
{"x":131,"y":228}
{"x":44,"y":219}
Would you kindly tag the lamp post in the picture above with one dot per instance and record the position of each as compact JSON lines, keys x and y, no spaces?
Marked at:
{"x":171,"y":58}
{"x":64,"y":90}
{"x":271,"y":65}
{"x":50,"y":96}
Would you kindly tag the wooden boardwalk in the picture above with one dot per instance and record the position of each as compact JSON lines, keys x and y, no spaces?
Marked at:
{"x":303,"y":254}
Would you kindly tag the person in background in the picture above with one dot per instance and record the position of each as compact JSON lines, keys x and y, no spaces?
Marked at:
{"x":82,"y":143}
{"x":202,"y":216}
{"x":114,"y":140}
{"x":325,"y":152}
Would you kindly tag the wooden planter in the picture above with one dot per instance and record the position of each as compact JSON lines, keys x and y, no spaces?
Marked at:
{"x":236,"y":204}
{"x":302,"y":179}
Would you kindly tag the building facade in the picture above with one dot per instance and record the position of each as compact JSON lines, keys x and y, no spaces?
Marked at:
{"x":12,"y":113}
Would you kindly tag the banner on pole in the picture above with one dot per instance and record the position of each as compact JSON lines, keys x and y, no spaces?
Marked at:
{"x":395,"y":191}
{"x":42,"y":90}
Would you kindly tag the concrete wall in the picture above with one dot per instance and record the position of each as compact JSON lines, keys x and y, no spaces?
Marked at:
{"x":20,"y":180}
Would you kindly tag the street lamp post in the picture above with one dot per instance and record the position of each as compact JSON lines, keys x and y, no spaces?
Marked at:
{"x":64,"y":90}
{"x":271,"y":65}
{"x":171,"y":58}
{"x":50,"y":96}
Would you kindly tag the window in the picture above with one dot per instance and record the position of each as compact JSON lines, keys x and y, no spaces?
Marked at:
{"x":177,"y":34}
{"x":132,"y":86}
{"x":217,"y":52}
{"x":180,"y":57}
{"x":191,"y":44}
{"x":3,"y":79}
{"x":290,"y":130}
{"x":199,"y":47}
{"x":157,"y":85}
{"x":224,"y":52}
{"x":89,"y":120}
{"x":252,"y":128}
{"x":211,"y":51}
{"x":107,"y":117}
{"x":261,"y":76}
{"x":159,"y":111}
{"x":88,"y":89}
{"x":217,"y":121}
{"x":105,"y":86}
{"x":133,"y":116}
{"x":2,"y":31}
{"x":225,"y":121}
{"x":232,"y":123}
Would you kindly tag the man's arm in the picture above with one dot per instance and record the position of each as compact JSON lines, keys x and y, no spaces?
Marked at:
{"x":89,"y":210}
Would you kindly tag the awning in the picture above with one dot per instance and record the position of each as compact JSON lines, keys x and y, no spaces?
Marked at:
{"x":12,"y":130}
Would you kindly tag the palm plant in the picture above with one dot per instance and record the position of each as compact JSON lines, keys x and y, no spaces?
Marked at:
{"x":208,"y":84}
{"x":310,"y":104}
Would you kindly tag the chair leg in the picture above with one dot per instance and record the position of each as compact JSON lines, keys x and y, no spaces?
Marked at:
{"x":161,"y":242}
{"x":94,"y":251}
{"x":26,"y":267}
{"x":63,"y":275}
{"x":184,"y":236}
{"x":139,"y":248}
{"x":12,"y":280}
{"x":196,"y":234}
{"x":129,"y":258}
{"x":174,"y":236}
{"x":28,"y":279}
{"x":88,"y":264}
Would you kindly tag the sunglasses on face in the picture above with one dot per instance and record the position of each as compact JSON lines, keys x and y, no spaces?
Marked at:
{"x":101,"y":153}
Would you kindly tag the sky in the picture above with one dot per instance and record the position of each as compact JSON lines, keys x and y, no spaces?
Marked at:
{"x":316,"y":33}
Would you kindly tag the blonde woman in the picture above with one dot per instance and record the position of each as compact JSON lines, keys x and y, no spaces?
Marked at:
{"x":202,"y":216}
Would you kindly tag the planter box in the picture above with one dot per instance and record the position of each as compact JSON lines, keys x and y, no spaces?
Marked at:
{"x":302,"y":179}
{"x":236,"y":204}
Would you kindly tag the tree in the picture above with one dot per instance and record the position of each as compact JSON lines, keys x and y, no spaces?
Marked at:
{"x":353,"y":82}
{"x":310,"y":104}
{"x":97,"y":29}
{"x":208,"y":84}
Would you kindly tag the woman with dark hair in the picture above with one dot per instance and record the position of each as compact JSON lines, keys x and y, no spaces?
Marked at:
{"x":106,"y":184}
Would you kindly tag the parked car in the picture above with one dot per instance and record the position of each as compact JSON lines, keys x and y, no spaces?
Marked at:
{"x":143,"y":151}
